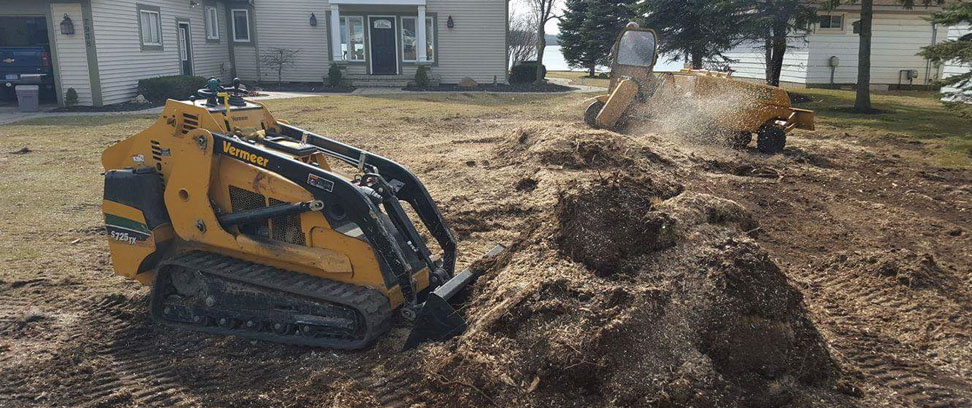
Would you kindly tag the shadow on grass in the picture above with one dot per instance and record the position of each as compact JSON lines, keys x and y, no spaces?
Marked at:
{"x":918,"y":115}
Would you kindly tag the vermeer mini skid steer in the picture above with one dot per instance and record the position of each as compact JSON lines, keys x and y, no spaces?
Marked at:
{"x":242,"y":226}
{"x":708,"y":99}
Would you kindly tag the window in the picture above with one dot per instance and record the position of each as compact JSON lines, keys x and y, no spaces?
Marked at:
{"x":352,"y":27}
{"x":409,"y":39}
{"x":832,"y":22}
{"x":637,"y":48}
{"x":151,"y":27}
{"x":241,"y":25}
{"x":212,"y":23}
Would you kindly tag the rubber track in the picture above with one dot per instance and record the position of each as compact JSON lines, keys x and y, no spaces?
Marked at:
{"x":371,"y":304}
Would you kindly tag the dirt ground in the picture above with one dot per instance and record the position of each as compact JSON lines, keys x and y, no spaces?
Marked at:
{"x":643,"y":270}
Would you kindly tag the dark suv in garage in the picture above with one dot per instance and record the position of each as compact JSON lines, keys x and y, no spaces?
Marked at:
{"x":25,"y":56}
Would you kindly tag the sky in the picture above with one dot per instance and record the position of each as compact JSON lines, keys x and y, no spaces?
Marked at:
{"x":521,"y":7}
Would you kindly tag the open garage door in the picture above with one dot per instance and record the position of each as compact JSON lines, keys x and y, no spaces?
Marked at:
{"x":25,"y":55}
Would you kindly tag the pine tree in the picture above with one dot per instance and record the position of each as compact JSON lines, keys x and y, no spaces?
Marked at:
{"x":589,"y":28}
{"x":773,"y":23}
{"x":959,"y":50}
{"x":699,"y":29}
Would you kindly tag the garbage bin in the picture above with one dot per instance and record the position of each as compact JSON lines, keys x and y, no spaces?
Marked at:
{"x":28,"y":98}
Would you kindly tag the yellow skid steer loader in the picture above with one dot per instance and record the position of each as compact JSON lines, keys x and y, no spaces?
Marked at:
{"x":242,"y":226}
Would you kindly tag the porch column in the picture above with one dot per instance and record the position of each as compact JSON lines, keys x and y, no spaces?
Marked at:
{"x":336,"y":54}
{"x":420,"y":36}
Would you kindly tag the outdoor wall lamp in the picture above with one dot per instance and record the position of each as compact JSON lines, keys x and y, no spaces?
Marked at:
{"x":450,"y":23}
{"x":67,"y":26}
{"x":193,"y":4}
{"x":313,"y":20}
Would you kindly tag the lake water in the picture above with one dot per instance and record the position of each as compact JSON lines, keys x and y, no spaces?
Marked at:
{"x":554,"y":61}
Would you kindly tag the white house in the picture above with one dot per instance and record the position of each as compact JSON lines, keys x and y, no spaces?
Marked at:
{"x":953,"y":68}
{"x":827,"y":55}
{"x":117,"y":42}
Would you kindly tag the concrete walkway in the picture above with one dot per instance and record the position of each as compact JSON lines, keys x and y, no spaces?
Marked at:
{"x":10,"y":113}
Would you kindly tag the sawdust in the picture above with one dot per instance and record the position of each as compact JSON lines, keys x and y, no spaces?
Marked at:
{"x":631,"y":291}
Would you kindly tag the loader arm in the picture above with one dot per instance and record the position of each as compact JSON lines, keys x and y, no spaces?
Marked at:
{"x":328,"y":187}
{"x":411,"y":190}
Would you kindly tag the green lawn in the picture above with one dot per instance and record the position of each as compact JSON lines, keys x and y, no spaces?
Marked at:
{"x":907,"y":115}
{"x":579,"y":78}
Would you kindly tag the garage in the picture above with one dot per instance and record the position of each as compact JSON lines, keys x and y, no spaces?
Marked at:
{"x":25,"y":56}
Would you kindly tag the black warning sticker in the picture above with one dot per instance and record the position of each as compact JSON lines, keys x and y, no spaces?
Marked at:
{"x":320,"y":182}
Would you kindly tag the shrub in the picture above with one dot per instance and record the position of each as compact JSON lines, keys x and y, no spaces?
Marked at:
{"x":334,"y":76}
{"x":178,"y":87}
{"x":422,"y":76}
{"x":71,"y":97}
{"x":525,"y":72}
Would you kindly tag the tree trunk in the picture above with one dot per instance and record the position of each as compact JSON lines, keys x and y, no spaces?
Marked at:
{"x":541,"y":44}
{"x":768,"y":43}
{"x":863,"y":102}
{"x":779,"y":51}
{"x":696,"y":60}
{"x":590,"y":70}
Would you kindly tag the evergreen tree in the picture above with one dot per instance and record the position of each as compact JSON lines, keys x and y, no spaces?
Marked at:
{"x":588,"y":29}
{"x":773,"y":23}
{"x":959,"y":50}
{"x":701,"y":30}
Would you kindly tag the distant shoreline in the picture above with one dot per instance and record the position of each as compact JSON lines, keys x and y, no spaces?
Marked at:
{"x":554,"y":61}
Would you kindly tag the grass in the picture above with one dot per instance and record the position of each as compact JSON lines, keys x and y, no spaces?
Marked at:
{"x":579,"y":78}
{"x":907,"y":116}
{"x":54,"y":191}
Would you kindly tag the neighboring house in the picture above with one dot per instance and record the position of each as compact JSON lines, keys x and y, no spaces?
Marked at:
{"x":101,"y":48}
{"x":898,"y":34}
{"x":954,"y":68}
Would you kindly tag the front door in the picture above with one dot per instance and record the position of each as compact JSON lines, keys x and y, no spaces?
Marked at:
{"x":384,"y":53}
{"x":185,"y":48}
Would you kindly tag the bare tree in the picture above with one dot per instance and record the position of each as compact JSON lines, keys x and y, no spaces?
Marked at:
{"x":279,"y":59}
{"x":542,"y":12}
{"x":522,"y":38}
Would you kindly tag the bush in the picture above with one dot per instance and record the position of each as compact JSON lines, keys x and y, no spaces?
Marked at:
{"x":334,"y":76}
{"x":71,"y":97}
{"x":525,"y":72}
{"x":422,"y":76}
{"x":178,"y":87}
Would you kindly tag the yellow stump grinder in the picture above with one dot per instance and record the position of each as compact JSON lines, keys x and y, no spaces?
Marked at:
{"x":242,"y":227}
{"x":743,"y":108}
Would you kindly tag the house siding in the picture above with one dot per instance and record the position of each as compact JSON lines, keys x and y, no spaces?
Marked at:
{"x":210,"y":58}
{"x":897,"y":38}
{"x":954,"y":68}
{"x":475,"y":47}
{"x":895,"y":42}
{"x":289,"y":27}
{"x":122,"y":62}
{"x":750,"y":61}
{"x":72,"y":58}
{"x":246,"y":63}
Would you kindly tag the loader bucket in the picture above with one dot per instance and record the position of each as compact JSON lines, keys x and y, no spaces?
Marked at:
{"x":437,"y":320}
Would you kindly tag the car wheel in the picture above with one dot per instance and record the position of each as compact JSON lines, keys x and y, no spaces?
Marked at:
{"x":770,"y":139}
{"x":590,"y":115}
